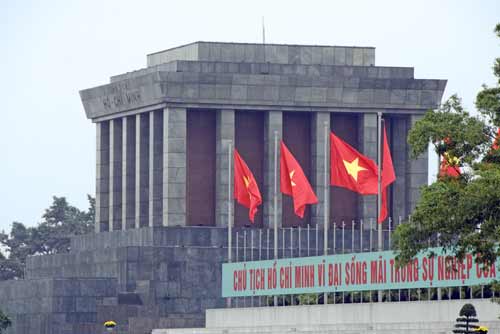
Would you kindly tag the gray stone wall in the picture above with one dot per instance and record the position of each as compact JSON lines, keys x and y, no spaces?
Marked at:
{"x":343,"y":88}
{"x":372,"y":72}
{"x":273,"y":77}
{"x":157,"y":276}
{"x":271,"y":53}
{"x":56,"y":306}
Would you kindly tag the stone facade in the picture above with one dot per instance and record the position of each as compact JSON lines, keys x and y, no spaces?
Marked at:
{"x":151,"y":277}
{"x":229,"y":78}
{"x":57,"y":305}
{"x":163,"y":134}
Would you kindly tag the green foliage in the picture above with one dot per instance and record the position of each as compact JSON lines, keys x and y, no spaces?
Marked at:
{"x":488,"y":100}
{"x":4,"y":322}
{"x":52,"y":235}
{"x":308,"y":299}
{"x":465,"y":323}
{"x":468,"y":311}
{"x":461,"y":214}
{"x":451,"y":129}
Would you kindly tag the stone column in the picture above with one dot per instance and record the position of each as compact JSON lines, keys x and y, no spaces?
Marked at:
{"x":111,"y":174}
{"x":98,"y":188}
{"x":417,"y":174}
{"x":128,"y":172}
{"x":224,"y":135}
{"x":368,"y":147}
{"x":115,"y":174}
{"x":273,"y":122}
{"x":399,"y":149}
{"x":137,"y":169}
{"x":102,"y":177}
{"x":318,"y":166}
{"x":174,"y":166}
{"x":141,"y":170}
{"x":155,"y":167}
{"x":124,"y":173}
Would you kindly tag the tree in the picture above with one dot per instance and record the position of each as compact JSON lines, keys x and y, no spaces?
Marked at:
{"x":60,"y":222}
{"x":52,"y":235}
{"x":466,"y":322}
{"x":10,"y":268}
{"x":461,"y":214}
{"x":4,"y":322}
{"x":488,"y":99}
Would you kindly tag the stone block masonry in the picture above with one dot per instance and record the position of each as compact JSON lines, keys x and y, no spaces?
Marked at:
{"x":144,"y":268}
{"x":271,"y":53}
{"x":143,"y":278}
{"x":228,"y":79}
{"x":56,"y":305}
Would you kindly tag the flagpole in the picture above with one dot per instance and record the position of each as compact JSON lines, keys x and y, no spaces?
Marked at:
{"x":275,"y":202}
{"x":326,"y":208}
{"x":379,"y":190}
{"x":229,"y":220}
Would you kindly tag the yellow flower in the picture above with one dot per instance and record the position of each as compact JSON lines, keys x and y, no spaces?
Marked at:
{"x":110,"y":324}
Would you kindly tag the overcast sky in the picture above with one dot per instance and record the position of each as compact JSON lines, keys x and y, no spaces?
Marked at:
{"x":52,"y":49}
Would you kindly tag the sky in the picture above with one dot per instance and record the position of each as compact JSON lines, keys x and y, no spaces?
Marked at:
{"x":52,"y":49}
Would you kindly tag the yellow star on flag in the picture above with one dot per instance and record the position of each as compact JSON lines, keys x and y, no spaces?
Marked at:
{"x":247,"y":180}
{"x":353,"y":168}
{"x":291,"y":178}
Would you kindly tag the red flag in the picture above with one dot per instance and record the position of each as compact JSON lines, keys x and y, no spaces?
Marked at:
{"x":351,"y":169}
{"x":496,"y":142}
{"x":246,"y":190}
{"x":388,"y":177}
{"x":294,"y":182}
{"x":449,"y":166}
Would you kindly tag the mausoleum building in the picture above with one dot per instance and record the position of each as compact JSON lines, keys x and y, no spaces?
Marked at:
{"x":163,"y":131}
{"x":162,"y":165}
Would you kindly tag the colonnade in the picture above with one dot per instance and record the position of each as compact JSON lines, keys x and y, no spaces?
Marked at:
{"x":142,"y":172}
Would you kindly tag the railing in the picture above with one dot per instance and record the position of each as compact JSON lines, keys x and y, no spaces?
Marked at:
{"x":250,"y":244}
